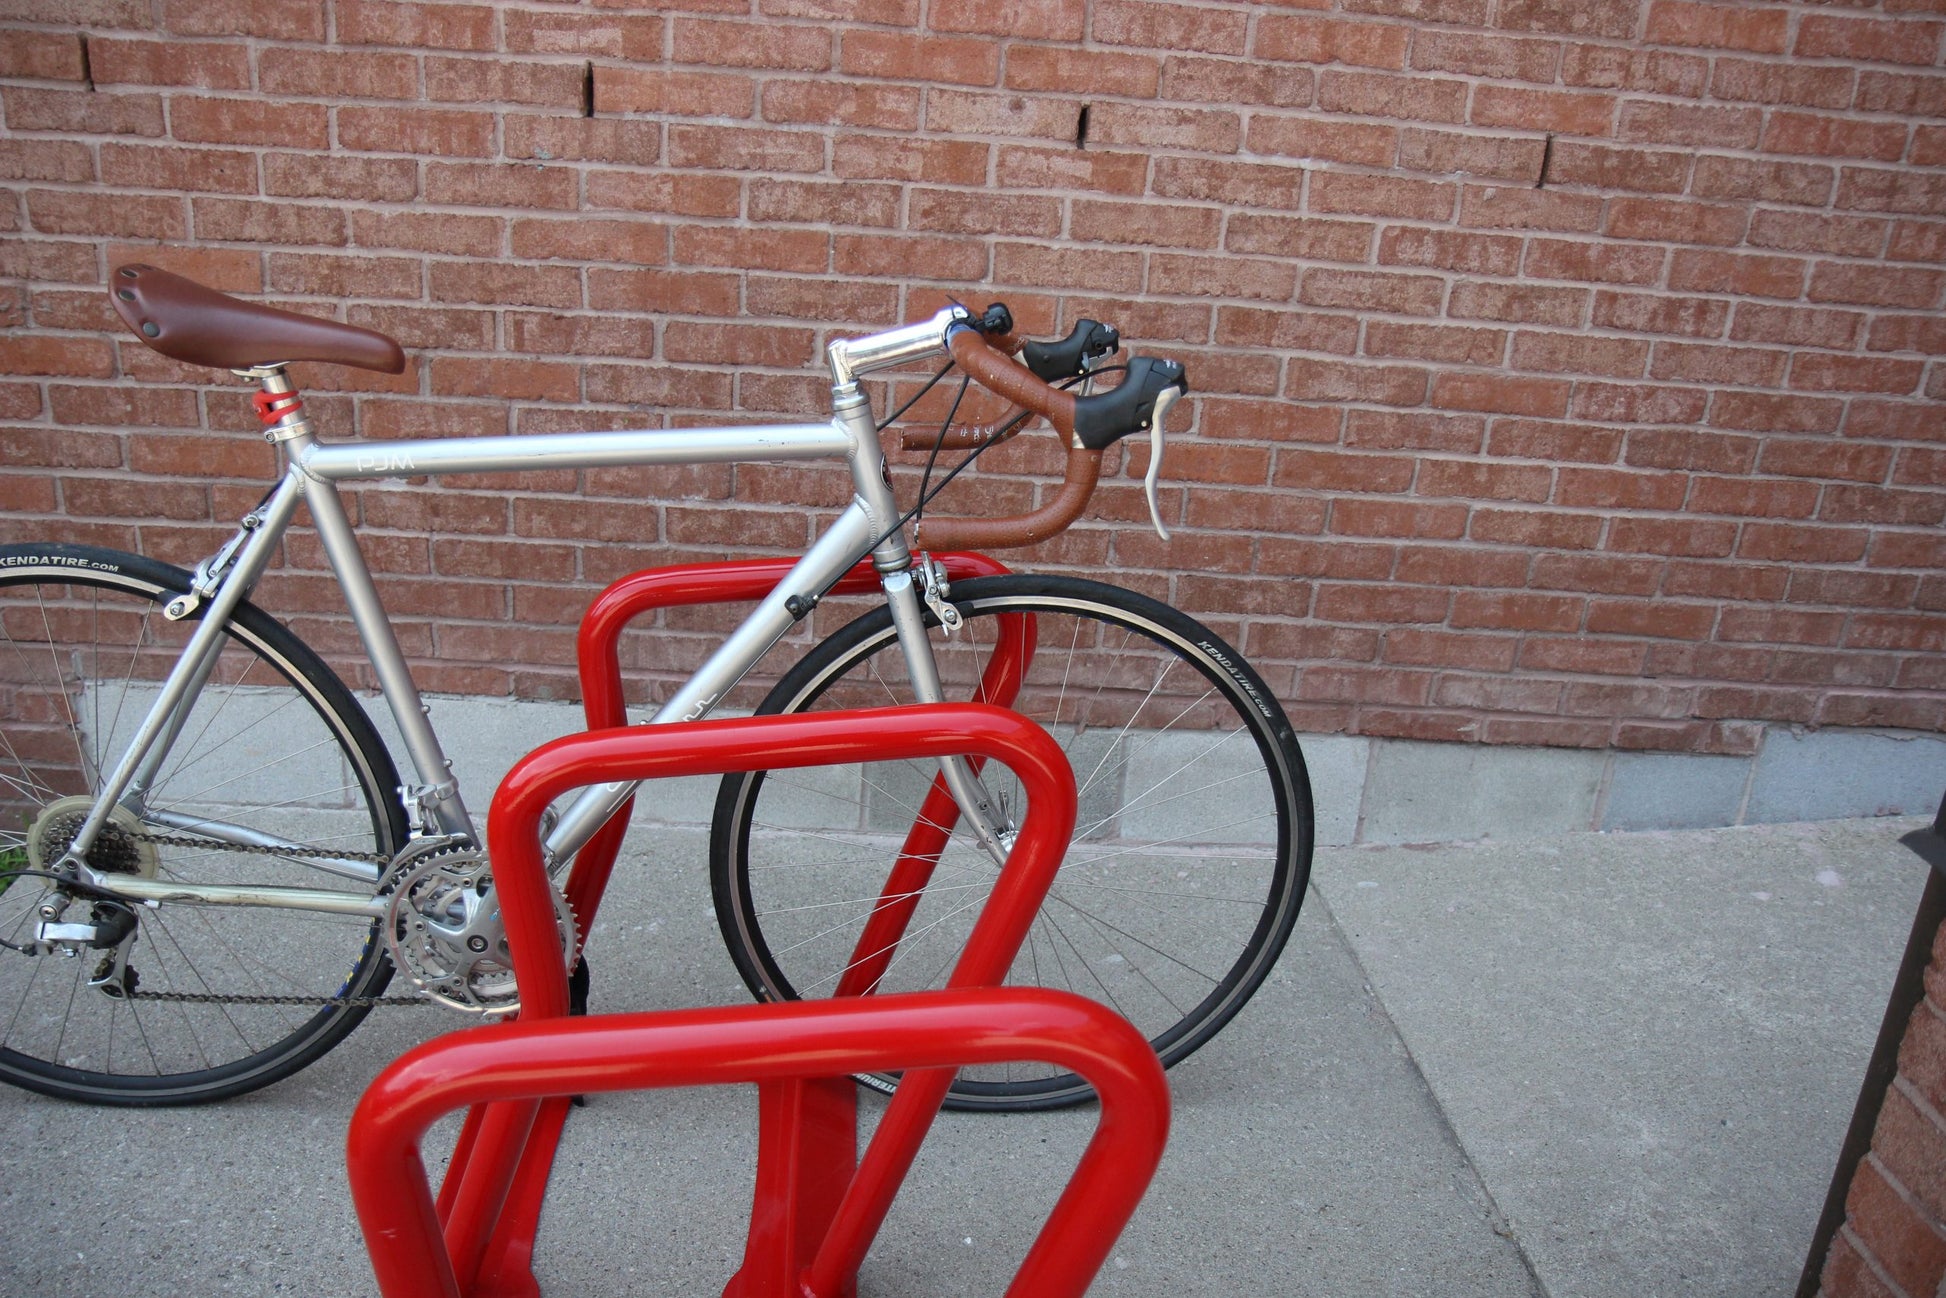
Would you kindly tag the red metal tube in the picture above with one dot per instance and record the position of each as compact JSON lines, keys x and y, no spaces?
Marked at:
{"x":598,"y":653}
{"x":521,"y":1062}
{"x":716,"y":747}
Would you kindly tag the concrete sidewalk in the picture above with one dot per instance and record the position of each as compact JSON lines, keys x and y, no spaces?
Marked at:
{"x":1584,"y":1065}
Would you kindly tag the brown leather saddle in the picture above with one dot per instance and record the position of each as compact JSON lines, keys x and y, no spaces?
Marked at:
{"x":187,"y":322}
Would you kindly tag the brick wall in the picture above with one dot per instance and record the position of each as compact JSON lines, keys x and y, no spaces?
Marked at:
{"x":1567,"y":371}
{"x":1893,"y":1242}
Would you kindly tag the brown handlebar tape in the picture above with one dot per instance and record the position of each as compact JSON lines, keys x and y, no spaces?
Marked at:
{"x":1012,"y":381}
{"x":1051,"y":519}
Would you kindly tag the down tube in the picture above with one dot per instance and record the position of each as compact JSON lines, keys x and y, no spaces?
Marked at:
{"x":848,"y":540}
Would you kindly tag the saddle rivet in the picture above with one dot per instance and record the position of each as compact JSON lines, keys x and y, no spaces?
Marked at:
{"x":128,"y":272}
{"x":125,"y":295}
{"x":150,"y":329}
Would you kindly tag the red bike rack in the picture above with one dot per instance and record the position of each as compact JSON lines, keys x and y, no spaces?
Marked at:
{"x":817,"y":1204}
{"x":603,"y":699}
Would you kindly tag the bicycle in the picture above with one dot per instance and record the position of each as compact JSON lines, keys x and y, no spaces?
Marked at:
{"x":198,"y":816}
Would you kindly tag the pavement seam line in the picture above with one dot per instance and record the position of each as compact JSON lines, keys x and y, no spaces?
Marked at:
{"x":1497,"y":1221}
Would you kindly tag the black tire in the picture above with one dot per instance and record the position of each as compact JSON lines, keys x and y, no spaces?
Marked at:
{"x":276,"y":743}
{"x":1171,"y":907}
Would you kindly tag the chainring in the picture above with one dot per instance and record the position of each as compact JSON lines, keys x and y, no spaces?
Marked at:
{"x":443,"y":929}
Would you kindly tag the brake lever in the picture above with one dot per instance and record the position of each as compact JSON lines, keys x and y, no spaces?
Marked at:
{"x":1164,"y":399}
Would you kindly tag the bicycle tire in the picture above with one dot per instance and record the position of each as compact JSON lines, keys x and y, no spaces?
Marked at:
{"x":275,"y":742}
{"x":1178,"y":961}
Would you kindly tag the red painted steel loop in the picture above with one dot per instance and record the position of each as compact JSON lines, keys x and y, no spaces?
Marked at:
{"x":739,"y":581}
{"x":682,"y":585}
{"x":814,"y":1216}
{"x":770,"y":1045}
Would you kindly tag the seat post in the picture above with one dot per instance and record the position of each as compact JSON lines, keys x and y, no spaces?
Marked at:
{"x":278,"y":403}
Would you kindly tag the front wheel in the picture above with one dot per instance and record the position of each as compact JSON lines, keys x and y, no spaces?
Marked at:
{"x":1190,"y":854}
{"x":274,"y":778}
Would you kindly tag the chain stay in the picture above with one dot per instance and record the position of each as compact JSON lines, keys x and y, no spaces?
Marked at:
{"x":211,"y":998}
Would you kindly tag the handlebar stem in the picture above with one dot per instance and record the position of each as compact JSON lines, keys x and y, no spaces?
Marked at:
{"x":852,"y":357}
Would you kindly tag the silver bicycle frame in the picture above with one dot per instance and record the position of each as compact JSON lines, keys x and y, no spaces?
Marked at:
{"x":868,"y":525}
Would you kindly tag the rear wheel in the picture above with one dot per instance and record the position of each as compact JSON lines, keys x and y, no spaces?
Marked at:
{"x":1190,"y":854}
{"x":225,"y":998}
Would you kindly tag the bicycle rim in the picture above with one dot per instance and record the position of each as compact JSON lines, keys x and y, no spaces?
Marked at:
{"x":274,"y":744}
{"x":1191,"y":849}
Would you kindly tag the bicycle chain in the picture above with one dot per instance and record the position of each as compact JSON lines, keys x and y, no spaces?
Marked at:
{"x":249,"y":849}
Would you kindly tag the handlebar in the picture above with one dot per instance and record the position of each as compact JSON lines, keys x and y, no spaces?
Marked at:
{"x":1087,"y":424}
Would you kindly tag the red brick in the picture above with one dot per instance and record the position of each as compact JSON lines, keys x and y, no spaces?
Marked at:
{"x":1420,"y":99}
{"x":1800,"y":544}
{"x":1671,"y":536}
{"x":1392,"y":385}
{"x":1588,"y":260}
{"x":1331,"y":139}
{"x":474,"y":236}
{"x":1518,"y":303}
{"x":1057,"y":68}
{"x":678,"y":94}
{"x":1478,"y":254}
{"x":740,"y":148}
{"x":640,"y":243}
{"x":1199,"y":129}
{"x":1221,"y":277}
{"x":1610,"y":18}
{"x":581,"y":139}
{"x":167,"y":63}
{"x":1351,"y":517}
{"x":1618,"y":67}
{"x":1728,"y":27}
{"x":606,"y":35}
{"x":497,"y":282}
{"x":1874,"y":189}
{"x":1344,"y":192}
{"x":1474,"y":480}
{"x":1373,"y":291}
{"x":77,"y":112}
{"x":1800,"y":326}
{"x":1848,"y":1275}
{"x":1871,"y":504}
{"x":1536,"y":439}
{"x":1908,"y":333}
{"x":1389,"y":603}
{"x":837,"y":103}
{"x":1635,"y":404}
{"x":1576,"y":353}
{"x":415,"y":26}
{"x":1900,"y":286}
{"x":440,"y":131}
{"x":1705,"y":125}
{"x":1524,"y":208}
{"x":1295,"y":330}
{"x":1617,"y":489}
{"x":1762,"y":180}
{"x":1767,"y":82}
{"x":1851,"y":236}
{"x":1056,"y":20}
{"x":1819,"y":372}
{"x":770,"y":248}
{"x":42,"y":56}
{"x":1687,"y":448}
{"x":1452,"y":345}
{"x":1305,"y":39}
{"x":1224,"y":81}
{"x":1308,"y":238}
{"x":1511,"y":158}
{"x":1758,"y":497}
{"x":283,"y":20}
{"x":1169,"y":26}
{"x":1602,"y":166}
{"x":1502,"y":393}
{"x":134,"y":216}
{"x":1763,"y":412}
{"x":953,"y":59}
{"x":1568,"y":112}
{"x":1245,"y":184}
{"x":289,"y":175}
{"x":1499,"y":57}
{"x":1829,"y":136}
{"x":1694,"y":317}
{"x":1696,"y":270}
{"x":1868,"y":39}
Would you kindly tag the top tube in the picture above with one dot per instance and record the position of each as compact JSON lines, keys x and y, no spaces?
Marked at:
{"x":654,"y":446}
